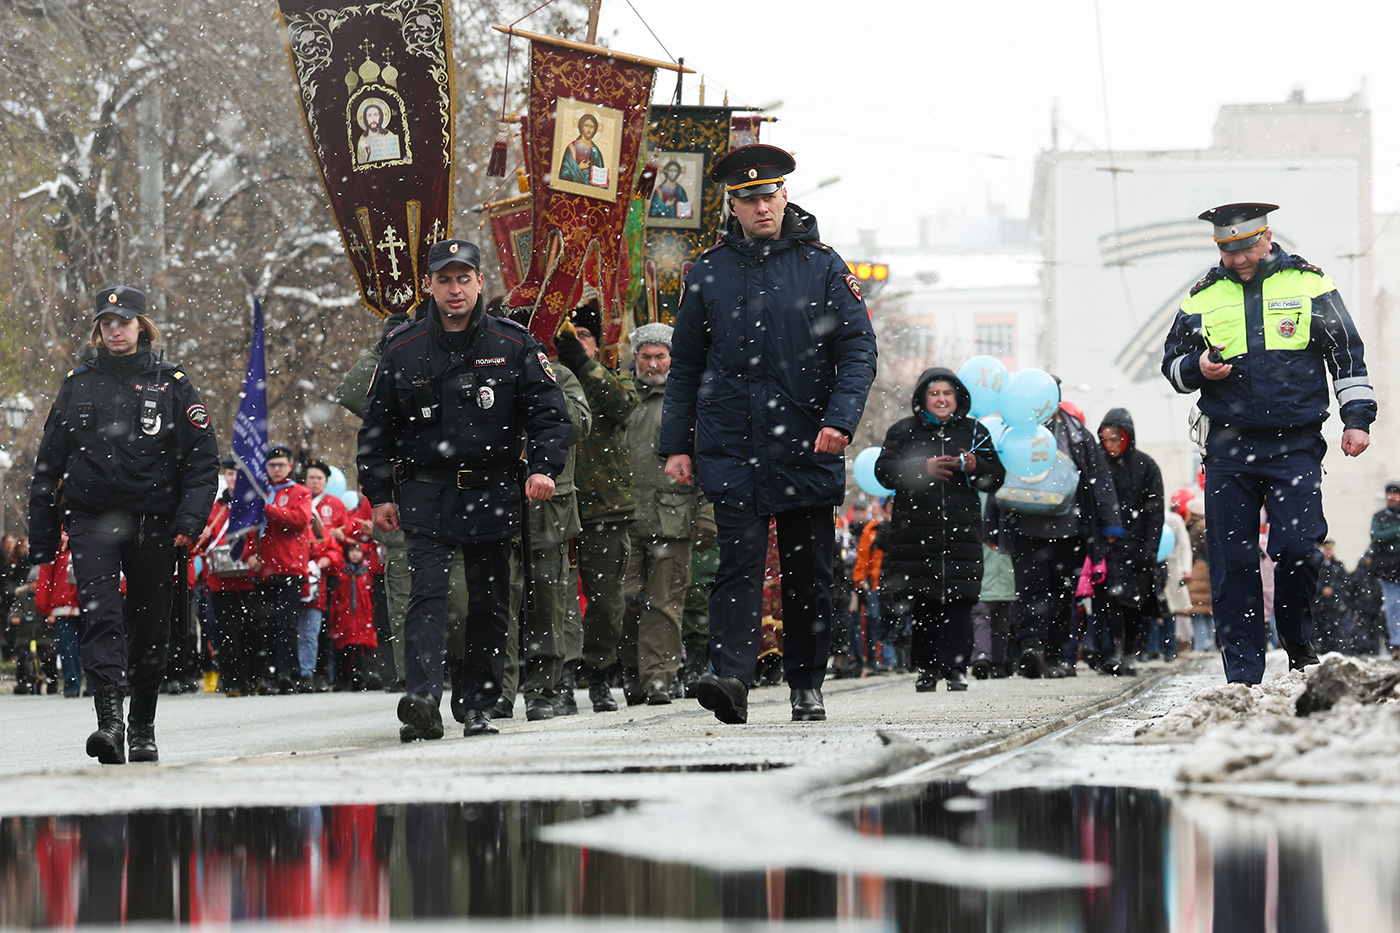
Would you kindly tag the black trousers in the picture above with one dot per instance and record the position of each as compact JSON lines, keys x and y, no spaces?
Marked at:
{"x":1047,"y":572}
{"x":488,"y":618}
{"x":276,"y":606}
{"x":125,"y":640}
{"x":942,"y":632}
{"x":233,"y":620}
{"x":806,"y":542}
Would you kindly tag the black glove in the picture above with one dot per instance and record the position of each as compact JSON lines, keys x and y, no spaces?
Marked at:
{"x":571,"y":352}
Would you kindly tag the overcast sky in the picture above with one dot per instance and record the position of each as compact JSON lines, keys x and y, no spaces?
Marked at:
{"x":923,"y":107}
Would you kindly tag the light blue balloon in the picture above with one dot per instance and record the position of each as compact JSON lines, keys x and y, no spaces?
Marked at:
{"x":985,"y":378}
{"x":1028,"y":452}
{"x":996,"y":428}
{"x":351,"y":498}
{"x":1164,"y":547}
{"x":865,"y":473}
{"x":335,"y":483}
{"x":1030,"y":398}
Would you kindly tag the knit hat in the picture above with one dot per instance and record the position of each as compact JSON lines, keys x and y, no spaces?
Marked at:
{"x":652,"y":333}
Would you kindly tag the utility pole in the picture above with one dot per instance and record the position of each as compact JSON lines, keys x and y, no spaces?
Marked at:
{"x":150,"y":167}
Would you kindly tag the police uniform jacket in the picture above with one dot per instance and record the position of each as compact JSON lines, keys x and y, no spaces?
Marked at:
{"x":933,"y":545}
{"x":95,"y":445}
{"x":772,"y":343}
{"x":1278,"y":331}
{"x":481,"y":400}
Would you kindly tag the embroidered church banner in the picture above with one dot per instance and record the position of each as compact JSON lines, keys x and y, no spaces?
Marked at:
{"x":375,"y":85}
{"x":586,"y":119}
{"x":685,"y":213}
{"x":512,"y":227}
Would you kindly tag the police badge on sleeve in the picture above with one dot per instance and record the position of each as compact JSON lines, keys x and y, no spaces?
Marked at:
{"x":548,"y":370}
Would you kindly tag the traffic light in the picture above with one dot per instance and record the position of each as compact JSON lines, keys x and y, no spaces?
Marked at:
{"x":869,"y":271}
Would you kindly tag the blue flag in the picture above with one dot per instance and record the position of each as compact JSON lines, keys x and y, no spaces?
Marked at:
{"x":250,"y":443}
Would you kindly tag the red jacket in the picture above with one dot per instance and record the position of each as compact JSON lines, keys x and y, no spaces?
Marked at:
{"x":285,"y":546}
{"x":352,"y":607}
{"x":329,"y":549}
{"x":332,"y":513}
{"x":54,"y":595}
{"x":216,"y":533}
{"x":355,"y":531}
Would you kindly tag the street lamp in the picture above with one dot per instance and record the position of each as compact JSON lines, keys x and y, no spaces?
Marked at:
{"x":17,"y":409}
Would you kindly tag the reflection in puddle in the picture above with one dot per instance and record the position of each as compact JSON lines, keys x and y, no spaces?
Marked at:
{"x":1174,"y":867}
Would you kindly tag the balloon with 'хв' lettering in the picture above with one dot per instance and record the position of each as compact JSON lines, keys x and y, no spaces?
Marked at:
{"x":1030,"y":398}
{"x":985,"y":378}
{"x":1028,"y":452}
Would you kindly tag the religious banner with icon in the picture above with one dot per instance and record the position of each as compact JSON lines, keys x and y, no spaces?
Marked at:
{"x":586,"y":118}
{"x":512,"y":227}
{"x":375,"y":84}
{"x":686,"y":211}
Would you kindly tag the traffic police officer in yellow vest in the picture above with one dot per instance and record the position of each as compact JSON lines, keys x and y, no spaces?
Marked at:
{"x":1256,"y":338}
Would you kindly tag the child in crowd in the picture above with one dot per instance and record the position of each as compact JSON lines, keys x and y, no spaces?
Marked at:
{"x":352,"y":619}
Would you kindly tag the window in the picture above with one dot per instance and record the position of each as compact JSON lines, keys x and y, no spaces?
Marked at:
{"x":996,"y":339}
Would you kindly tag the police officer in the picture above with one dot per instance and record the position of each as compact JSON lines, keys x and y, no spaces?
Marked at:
{"x":1256,"y":337}
{"x":440,"y":456}
{"x":772,"y":358}
{"x":130,"y":465}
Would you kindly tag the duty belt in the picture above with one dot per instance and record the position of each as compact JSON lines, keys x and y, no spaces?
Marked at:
{"x":461,"y":479}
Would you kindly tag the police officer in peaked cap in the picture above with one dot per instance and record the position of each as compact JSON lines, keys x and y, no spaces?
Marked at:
{"x":463,"y":412}
{"x":130,"y":465}
{"x":1256,"y":338}
{"x":772,"y":358}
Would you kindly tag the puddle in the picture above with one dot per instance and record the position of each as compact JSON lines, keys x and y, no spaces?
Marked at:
{"x":1197,"y":864}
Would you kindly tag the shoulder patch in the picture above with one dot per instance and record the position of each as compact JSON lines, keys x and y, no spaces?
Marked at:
{"x":179,"y":376}
{"x":544,"y":364}
{"x":81,"y":368}
{"x":198,"y":416}
{"x":853,"y":285}
{"x":1300,"y":263}
{"x":1210,"y":278}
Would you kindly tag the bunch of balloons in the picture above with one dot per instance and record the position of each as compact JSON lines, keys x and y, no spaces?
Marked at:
{"x":1015,"y":409}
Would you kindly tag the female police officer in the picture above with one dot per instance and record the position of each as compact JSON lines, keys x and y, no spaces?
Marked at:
{"x":129,"y":464}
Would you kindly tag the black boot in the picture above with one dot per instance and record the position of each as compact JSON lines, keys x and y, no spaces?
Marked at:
{"x":108,"y":743}
{"x":632,"y":689}
{"x":695,"y":663}
{"x":141,"y":726}
{"x":599,"y":693}
{"x":566,"y":705}
{"x":457,"y":676}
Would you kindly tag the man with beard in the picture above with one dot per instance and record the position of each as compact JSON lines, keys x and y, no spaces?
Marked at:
{"x":669,"y":517}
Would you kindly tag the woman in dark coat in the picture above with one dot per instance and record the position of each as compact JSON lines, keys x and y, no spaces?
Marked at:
{"x":936,"y":461}
{"x":1128,"y":595}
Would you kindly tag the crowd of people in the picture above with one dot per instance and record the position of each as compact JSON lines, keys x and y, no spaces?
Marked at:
{"x":534,"y":520}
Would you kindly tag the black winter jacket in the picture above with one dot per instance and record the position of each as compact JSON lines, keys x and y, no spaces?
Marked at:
{"x":94,"y":442}
{"x":773,"y":342}
{"x":489,"y":394}
{"x":1132,"y":559}
{"x":933,"y":545}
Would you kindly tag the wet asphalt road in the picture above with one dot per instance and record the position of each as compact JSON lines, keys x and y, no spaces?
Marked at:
{"x":343,"y":747}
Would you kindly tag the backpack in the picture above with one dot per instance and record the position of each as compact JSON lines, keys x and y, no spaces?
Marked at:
{"x":1051,"y":493}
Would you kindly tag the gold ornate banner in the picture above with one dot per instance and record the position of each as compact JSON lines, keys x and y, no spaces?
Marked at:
{"x":375,"y":84}
{"x":587,"y":116}
{"x":684,"y":215}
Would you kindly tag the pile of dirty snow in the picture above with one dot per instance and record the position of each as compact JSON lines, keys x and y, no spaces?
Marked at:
{"x":1337,"y":723}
